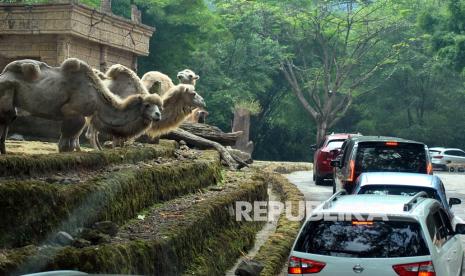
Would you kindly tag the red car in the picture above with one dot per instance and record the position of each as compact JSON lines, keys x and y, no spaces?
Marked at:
{"x":327,"y":151}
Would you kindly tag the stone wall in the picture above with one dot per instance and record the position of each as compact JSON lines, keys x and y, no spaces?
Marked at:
{"x":78,"y":21}
{"x":13,"y":47}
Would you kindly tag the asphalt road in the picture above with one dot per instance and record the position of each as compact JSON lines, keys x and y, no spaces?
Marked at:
{"x":453,"y":182}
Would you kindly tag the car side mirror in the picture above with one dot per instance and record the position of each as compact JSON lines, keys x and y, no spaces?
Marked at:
{"x":335,"y":163}
{"x":460,"y":229}
{"x":454,"y":201}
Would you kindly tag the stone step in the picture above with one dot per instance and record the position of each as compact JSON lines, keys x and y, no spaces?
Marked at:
{"x":32,"y":210}
{"x":26,"y":165}
{"x":196,"y":233}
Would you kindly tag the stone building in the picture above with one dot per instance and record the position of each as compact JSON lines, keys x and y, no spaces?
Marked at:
{"x":61,"y":29}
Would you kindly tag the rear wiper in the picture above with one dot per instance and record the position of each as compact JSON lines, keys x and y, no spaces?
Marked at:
{"x":350,"y":252}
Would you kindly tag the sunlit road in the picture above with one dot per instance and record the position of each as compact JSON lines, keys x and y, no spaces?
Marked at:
{"x":453,"y":182}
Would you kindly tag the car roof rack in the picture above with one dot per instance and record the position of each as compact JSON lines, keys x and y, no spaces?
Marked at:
{"x":409,"y":205}
{"x":334,"y":197}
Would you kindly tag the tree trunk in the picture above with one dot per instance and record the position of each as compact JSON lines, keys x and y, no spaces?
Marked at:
{"x":322,"y":127}
{"x":212,"y":133}
{"x":242,"y":123}
{"x":231,"y":160}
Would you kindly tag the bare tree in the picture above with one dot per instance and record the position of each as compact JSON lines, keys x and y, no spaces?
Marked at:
{"x":341,"y":42}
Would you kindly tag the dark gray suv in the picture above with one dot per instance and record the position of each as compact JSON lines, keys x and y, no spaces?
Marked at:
{"x":378,"y":154}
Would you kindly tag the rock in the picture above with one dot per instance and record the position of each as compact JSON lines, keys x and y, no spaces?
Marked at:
{"x":17,"y":137}
{"x":184,"y":148}
{"x":108,"y":144}
{"x":216,"y":188}
{"x":249,"y":268}
{"x":81,"y":243}
{"x":182,"y":143}
{"x":63,"y":238}
{"x":106,"y":227}
{"x":52,"y":179}
{"x":94,"y":236}
{"x":246,"y":157}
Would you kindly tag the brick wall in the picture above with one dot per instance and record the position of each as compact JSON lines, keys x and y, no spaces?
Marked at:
{"x":29,"y":46}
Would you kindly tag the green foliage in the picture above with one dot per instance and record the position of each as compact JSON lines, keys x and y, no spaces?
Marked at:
{"x":237,"y":47}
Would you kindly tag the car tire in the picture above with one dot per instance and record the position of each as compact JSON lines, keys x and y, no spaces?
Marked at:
{"x":319,"y":181}
{"x":334,"y":187}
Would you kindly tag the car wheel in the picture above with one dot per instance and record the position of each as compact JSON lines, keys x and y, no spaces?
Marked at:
{"x":319,"y":181}
{"x":334,"y":186}
{"x":314,"y":176}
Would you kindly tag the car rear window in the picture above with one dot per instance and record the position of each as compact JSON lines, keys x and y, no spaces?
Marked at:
{"x":381,"y":239}
{"x":334,"y":144}
{"x":395,"y":157}
{"x":398,"y":190}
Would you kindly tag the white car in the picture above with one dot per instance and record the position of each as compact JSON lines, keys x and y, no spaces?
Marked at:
{"x":441,"y":157}
{"x":378,"y":235}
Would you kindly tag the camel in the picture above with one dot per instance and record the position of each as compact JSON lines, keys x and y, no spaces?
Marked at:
{"x":67,"y":93}
{"x":198,"y":115}
{"x":124,"y":83}
{"x":157,"y":82}
{"x":178,"y":103}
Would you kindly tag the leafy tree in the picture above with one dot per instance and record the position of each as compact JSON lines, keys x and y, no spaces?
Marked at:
{"x":337,"y":50}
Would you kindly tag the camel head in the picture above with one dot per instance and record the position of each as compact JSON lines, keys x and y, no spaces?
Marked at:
{"x":152,"y":105}
{"x":202,"y":115}
{"x":187,"y":76}
{"x":191,"y":97}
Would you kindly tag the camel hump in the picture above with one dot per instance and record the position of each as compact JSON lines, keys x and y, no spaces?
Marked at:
{"x":117,"y":69}
{"x":29,"y":69}
{"x":71,"y":65}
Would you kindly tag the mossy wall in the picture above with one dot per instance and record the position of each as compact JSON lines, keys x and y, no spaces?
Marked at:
{"x":274,"y":253}
{"x":41,"y":164}
{"x":202,"y":241}
{"x":30,"y":210}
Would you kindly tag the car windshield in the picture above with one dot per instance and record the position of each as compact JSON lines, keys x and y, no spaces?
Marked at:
{"x":334,"y":144}
{"x":398,"y":190}
{"x":397,"y":157}
{"x":378,"y":239}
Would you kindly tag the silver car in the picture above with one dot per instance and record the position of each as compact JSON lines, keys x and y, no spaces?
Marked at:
{"x":444,"y":157}
{"x":406,"y":184}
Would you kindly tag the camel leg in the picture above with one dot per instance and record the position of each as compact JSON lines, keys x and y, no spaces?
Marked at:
{"x":3,"y":134}
{"x":7,"y":118}
{"x":97,"y":142}
{"x":71,"y":129}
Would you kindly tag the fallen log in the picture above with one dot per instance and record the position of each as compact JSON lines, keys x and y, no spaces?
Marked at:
{"x":212,"y":133}
{"x":231,"y":160}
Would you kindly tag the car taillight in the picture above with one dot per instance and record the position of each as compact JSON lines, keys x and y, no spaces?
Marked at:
{"x":438,"y":157}
{"x":304,"y":266}
{"x":429,"y":168}
{"x":415,"y":269}
{"x":351,"y":170}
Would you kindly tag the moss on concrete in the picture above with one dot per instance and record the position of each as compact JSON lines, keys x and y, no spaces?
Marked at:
{"x":14,"y":165}
{"x":182,"y":245}
{"x":30,"y":210}
{"x":273,"y":254}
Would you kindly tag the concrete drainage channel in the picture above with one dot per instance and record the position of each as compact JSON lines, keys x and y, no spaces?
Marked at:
{"x":262,"y":236}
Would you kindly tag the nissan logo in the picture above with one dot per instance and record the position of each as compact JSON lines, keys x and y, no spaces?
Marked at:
{"x":358,"y":269}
